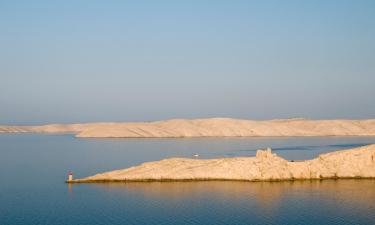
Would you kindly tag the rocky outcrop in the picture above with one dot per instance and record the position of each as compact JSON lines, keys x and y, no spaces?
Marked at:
{"x":14,"y":129}
{"x":265,"y":166}
{"x":216,"y":127}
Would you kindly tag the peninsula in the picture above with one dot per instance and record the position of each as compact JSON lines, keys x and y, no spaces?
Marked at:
{"x":265,"y":166}
{"x":214,"y":127}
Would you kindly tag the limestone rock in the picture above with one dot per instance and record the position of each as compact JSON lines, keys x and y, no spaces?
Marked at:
{"x":214,"y":127}
{"x":265,"y":166}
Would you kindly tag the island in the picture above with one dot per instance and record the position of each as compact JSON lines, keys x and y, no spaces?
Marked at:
{"x":265,"y":166}
{"x":212,"y":127}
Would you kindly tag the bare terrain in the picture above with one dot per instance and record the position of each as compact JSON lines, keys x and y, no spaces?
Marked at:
{"x":266,"y":166}
{"x":214,"y":127}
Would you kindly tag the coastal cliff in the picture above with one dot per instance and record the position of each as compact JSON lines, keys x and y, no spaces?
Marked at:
{"x":265,"y":166}
{"x":215,"y":127}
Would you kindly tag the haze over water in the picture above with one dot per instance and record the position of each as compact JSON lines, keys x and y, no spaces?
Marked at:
{"x":33,"y":168}
{"x":90,"y":61}
{"x":122,"y":61}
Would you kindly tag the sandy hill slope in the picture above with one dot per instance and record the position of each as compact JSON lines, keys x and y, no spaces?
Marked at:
{"x":353,"y":163}
{"x":215,"y":127}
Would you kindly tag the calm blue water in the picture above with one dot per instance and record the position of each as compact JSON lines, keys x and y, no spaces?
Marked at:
{"x":33,"y":169}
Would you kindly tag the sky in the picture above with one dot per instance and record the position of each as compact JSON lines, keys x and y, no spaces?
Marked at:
{"x":77,"y":61}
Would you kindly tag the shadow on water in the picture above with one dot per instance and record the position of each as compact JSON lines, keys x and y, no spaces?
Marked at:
{"x":312,"y":147}
{"x":340,"y":146}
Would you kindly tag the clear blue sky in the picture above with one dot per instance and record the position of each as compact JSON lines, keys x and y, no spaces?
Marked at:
{"x":82,"y":61}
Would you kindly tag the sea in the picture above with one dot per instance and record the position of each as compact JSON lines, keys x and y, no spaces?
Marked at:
{"x":33,"y":168}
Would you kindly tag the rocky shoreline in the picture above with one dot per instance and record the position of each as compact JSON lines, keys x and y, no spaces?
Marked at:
{"x":265,"y":166}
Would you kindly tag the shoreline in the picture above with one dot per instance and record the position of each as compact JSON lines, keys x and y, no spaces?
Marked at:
{"x":356,"y":163}
{"x":209,"y":180}
{"x":213,"y":127}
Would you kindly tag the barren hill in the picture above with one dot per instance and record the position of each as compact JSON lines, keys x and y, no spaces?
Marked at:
{"x":215,"y":127}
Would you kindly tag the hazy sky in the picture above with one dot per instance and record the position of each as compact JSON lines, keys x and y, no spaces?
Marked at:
{"x":82,"y":61}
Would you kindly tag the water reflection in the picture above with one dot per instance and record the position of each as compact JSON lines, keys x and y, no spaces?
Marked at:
{"x":267,"y":195}
{"x":34,"y":167}
{"x":70,"y":187}
{"x":297,"y":202}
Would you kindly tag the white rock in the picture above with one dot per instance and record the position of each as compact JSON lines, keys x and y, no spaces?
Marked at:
{"x":353,"y":163}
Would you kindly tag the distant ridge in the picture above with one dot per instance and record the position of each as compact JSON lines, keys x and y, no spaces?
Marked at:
{"x":213,"y":127}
